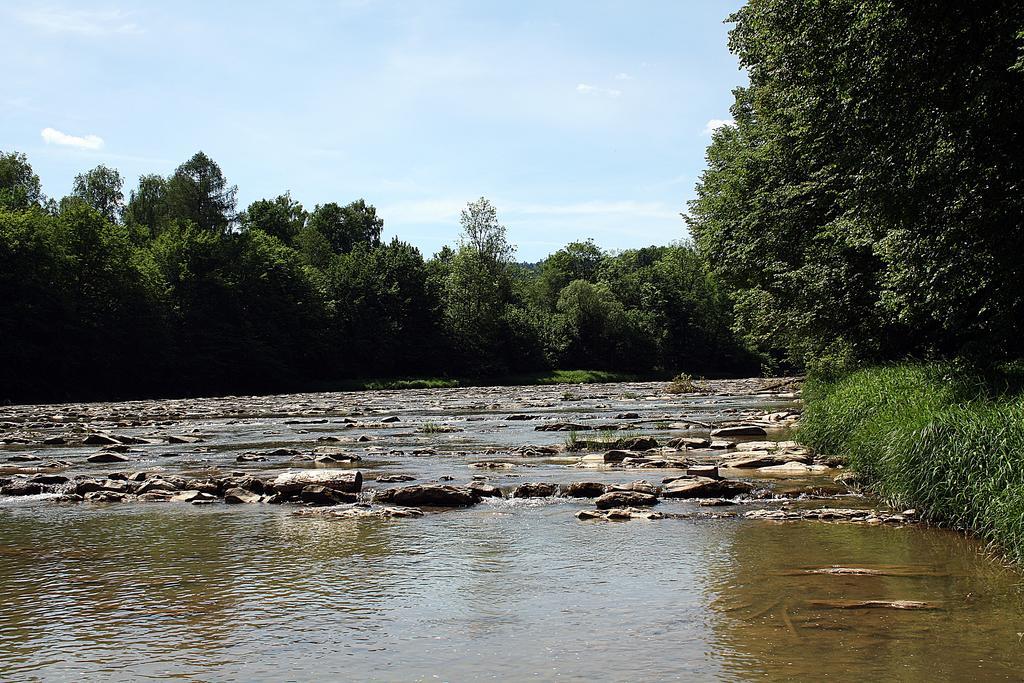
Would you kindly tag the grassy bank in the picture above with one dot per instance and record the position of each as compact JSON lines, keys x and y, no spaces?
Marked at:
{"x":946,"y":441}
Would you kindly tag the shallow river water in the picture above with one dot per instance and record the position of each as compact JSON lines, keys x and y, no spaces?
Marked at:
{"x":510,"y":589}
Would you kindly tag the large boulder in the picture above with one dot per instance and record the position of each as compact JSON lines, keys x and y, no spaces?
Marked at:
{"x":291,"y":483}
{"x":429,"y":495}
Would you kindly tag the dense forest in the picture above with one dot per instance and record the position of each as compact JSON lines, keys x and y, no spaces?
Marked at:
{"x":868,"y":203}
{"x":173,"y":290}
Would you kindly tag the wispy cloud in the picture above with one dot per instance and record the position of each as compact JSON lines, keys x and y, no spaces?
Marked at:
{"x":80,"y":22}
{"x":623,"y":77}
{"x":54,"y":137}
{"x":587,"y":89}
{"x":714,"y":124}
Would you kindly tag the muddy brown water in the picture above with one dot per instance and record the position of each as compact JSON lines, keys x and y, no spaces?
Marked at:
{"x":506,"y":590}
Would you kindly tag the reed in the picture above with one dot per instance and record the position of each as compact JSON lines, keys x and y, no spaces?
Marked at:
{"x":945,"y":440}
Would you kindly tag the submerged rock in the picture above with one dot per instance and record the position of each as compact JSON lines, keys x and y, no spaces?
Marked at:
{"x":853,"y":516}
{"x":360,"y":510}
{"x":625,"y":514}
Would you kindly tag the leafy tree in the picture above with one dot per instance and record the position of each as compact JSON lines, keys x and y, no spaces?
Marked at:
{"x":575,"y":261}
{"x":477,"y":286}
{"x":281,"y":217}
{"x":866,"y":204}
{"x":199,"y":192}
{"x":349,"y":225}
{"x":147,"y":206}
{"x":19,"y":185}
{"x":101,"y":188}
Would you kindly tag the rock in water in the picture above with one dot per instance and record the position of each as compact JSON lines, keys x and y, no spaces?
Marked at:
{"x":584,"y":489}
{"x":429,"y":495}
{"x":617,"y":499}
{"x":535,"y":490}
{"x":321,"y":495}
{"x":740,"y":430}
{"x":237,"y":496}
{"x":486,"y":490}
{"x":292,"y":483}
{"x":703,"y":487}
{"x":106,"y":457}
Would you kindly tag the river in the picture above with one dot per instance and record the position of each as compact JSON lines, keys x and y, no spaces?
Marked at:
{"x":508,"y":589}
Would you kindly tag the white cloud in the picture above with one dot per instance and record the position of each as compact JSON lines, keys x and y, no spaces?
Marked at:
{"x":623,"y":77}
{"x":586,"y":89}
{"x":55,"y":137}
{"x":714,"y":124}
{"x":81,"y":22}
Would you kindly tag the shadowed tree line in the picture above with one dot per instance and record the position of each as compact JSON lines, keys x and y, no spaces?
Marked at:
{"x":172,"y":290}
{"x":868,"y":203}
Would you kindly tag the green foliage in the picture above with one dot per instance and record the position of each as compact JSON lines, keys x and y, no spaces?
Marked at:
{"x":346,"y":226}
{"x":866,"y":204}
{"x":147,"y":208}
{"x":20,"y":188}
{"x":943,"y":438}
{"x":166,"y":297}
{"x":102,"y":189}
{"x":281,"y":217}
{"x":199,"y":192}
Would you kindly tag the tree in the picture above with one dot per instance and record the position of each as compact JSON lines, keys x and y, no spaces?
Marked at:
{"x":866,"y":205}
{"x":281,"y":217}
{"x":198,"y":192}
{"x":101,"y":188}
{"x":147,"y":205}
{"x":575,"y":261}
{"x":19,"y":185}
{"x":478,"y":287}
{"x":349,"y":225}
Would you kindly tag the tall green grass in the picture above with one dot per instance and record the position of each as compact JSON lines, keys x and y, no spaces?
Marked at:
{"x":948,"y":441}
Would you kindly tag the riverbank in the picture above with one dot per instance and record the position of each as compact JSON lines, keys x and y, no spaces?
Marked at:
{"x":943,"y":440}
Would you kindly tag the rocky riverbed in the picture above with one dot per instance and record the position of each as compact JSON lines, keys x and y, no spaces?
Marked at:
{"x":612,"y":532}
{"x":425,"y":450}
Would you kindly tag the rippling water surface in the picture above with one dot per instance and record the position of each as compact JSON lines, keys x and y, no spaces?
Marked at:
{"x":507,"y":590}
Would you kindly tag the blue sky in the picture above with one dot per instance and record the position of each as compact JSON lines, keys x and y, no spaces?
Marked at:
{"x":577,"y":119}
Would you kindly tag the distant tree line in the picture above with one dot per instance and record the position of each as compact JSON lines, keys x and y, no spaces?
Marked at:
{"x":868,"y":203}
{"x":173,"y":291}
